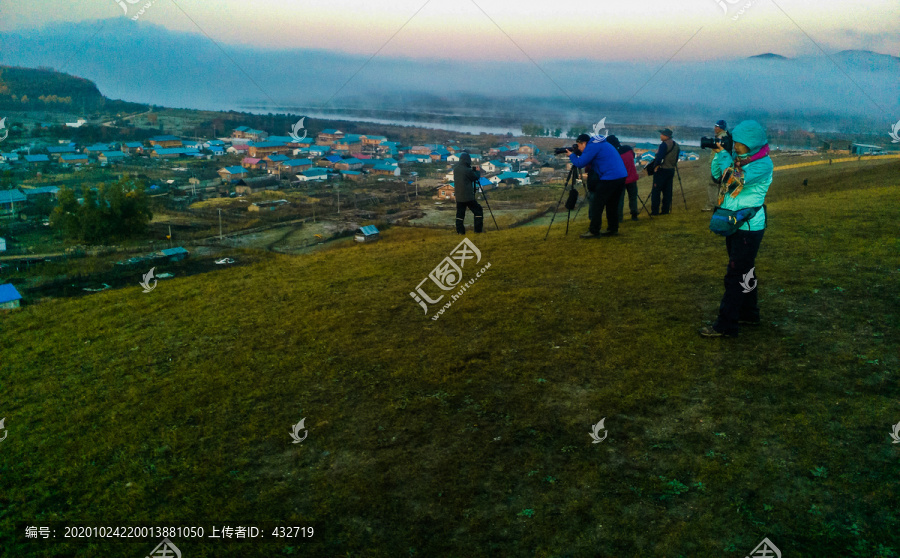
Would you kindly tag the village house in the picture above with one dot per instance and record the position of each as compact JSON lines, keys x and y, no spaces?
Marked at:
{"x":11,"y":201}
{"x":253,"y":163}
{"x":9,"y":297}
{"x":329,"y":136}
{"x":238,"y":149}
{"x":351,"y":163}
{"x":446,"y":192}
{"x":73,"y":159}
{"x":383,"y":168}
{"x":171,"y":152}
{"x":232,"y":174}
{"x":112,"y":156}
{"x":420,"y":150}
{"x":329,"y":161}
{"x":165,"y":141}
{"x":352,"y":175}
{"x":313,"y":174}
{"x":36,"y":159}
{"x":249,"y":133}
{"x":98,"y":148}
{"x":56,"y":150}
{"x":275,"y":159}
{"x":294,"y":166}
{"x":269,"y":205}
{"x":528,"y":149}
{"x":256,"y":184}
{"x":262,"y":149}
{"x":41,"y":192}
{"x":132,"y":147}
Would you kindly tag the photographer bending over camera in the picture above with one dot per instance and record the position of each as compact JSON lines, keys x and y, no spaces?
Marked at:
{"x":464,"y":183}
{"x":744,"y":182}
{"x":606,"y":179}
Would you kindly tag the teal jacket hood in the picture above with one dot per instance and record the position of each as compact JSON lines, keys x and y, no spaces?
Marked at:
{"x":750,"y":133}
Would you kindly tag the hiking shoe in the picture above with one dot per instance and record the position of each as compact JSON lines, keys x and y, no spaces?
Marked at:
{"x":710,"y":331}
{"x":589,"y":234}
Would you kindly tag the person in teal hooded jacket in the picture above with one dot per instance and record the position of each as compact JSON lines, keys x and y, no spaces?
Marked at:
{"x":744,"y":186}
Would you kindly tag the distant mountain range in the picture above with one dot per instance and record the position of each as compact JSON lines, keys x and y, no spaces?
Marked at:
{"x":146,"y":63}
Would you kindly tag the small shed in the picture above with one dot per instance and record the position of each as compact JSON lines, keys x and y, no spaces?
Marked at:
{"x":368,"y":233}
{"x":174,"y":254}
{"x":9,"y":297}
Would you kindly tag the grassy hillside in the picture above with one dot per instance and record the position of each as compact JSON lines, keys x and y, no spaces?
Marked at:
{"x":469,"y":435}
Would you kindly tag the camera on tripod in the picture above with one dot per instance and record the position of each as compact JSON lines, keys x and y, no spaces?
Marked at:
{"x":726,"y":143}
{"x":562,"y":150}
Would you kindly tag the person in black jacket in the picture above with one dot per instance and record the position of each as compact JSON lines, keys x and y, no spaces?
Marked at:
{"x":664,"y":165}
{"x":465,"y":179}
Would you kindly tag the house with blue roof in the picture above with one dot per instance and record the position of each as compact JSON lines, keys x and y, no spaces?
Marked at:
{"x":60,"y":149}
{"x":10,"y":200}
{"x":9,"y":157}
{"x":37,"y":159}
{"x":350,"y":163}
{"x":384,"y":168}
{"x":352,"y":175}
{"x":9,"y":297}
{"x":171,"y":152}
{"x":293,"y":166}
{"x":39,"y":192}
{"x":411,"y":158}
{"x":74,"y":159}
{"x":112,"y":156}
{"x":369,"y":233}
{"x":133,"y":147}
{"x":232,"y":174}
{"x":99,"y":148}
{"x":520,"y":178}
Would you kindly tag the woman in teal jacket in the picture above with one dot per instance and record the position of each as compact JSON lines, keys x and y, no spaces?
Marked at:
{"x":744,"y":186}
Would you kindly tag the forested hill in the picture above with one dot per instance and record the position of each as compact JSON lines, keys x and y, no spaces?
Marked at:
{"x":47,"y":89}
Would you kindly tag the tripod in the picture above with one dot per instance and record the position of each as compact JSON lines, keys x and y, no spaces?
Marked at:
{"x":574,"y":174}
{"x":478,"y":187}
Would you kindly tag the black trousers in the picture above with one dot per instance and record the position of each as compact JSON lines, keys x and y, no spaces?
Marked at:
{"x":740,"y":299}
{"x":662,"y":184}
{"x":606,"y":196}
{"x":461,"y":216}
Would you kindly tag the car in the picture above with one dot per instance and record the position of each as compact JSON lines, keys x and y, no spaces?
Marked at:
{"x":225,"y":261}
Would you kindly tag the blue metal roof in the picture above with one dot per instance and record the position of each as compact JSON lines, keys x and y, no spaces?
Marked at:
{"x":174,"y":251}
{"x":11,"y":196}
{"x":369,"y":230}
{"x":8,"y":293}
{"x":72,"y":156}
{"x":235,"y":170}
{"x":334,"y":158}
{"x":37,"y":158}
{"x":315,"y":172}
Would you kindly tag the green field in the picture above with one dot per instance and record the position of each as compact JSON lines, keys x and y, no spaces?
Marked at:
{"x":469,"y":435}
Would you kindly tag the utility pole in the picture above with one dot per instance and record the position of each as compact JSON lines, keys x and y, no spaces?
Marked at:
{"x":339,"y":198}
{"x":220,"y":223}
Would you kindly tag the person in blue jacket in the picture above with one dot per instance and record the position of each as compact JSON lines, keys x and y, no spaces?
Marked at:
{"x":606,"y":179}
{"x":748,"y":176}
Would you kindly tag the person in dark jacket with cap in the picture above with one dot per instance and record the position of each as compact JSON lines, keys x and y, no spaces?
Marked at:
{"x":464,"y":182}
{"x":606,"y":178}
{"x":663,"y":178}
{"x":627,"y":154}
